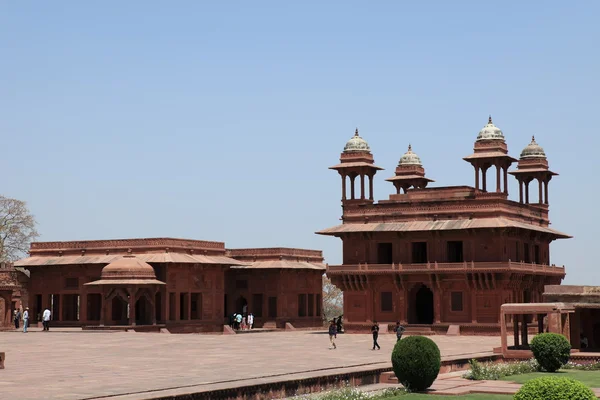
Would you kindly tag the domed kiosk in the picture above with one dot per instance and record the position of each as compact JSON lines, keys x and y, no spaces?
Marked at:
{"x":357,"y":161}
{"x":129,"y":288}
{"x":409,"y":173}
{"x":533,"y":165}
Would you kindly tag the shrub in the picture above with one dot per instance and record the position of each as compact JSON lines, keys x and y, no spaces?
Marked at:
{"x":494,"y":371}
{"x":551,"y":350}
{"x":554,"y":388}
{"x":416,"y":362}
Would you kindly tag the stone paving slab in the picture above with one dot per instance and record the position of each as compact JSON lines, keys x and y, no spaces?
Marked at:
{"x":75,"y":365}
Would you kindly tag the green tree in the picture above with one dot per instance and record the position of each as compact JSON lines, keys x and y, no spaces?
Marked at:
{"x":17,"y":229}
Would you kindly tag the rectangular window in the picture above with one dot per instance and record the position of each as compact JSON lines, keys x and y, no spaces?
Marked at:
{"x":526,"y":253}
{"x":384,"y":253}
{"x":183,"y":306}
{"x":71,"y":283}
{"x":172,"y":306}
{"x":319,"y":305}
{"x":272,"y":307}
{"x":302,"y":305}
{"x":455,"y":252}
{"x":257,"y":305}
{"x":387,"y":302}
{"x":94,"y":306}
{"x":311,"y":305}
{"x":456,"y":301}
{"x":536,"y":254}
{"x":196,"y":305}
{"x":419,"y":252}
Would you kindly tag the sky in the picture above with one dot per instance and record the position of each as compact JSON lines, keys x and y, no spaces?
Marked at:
{"x":218,"y":120}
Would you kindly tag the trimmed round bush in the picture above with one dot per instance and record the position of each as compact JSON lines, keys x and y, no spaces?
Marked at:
{"x":416,"y":361}
{"x":554,"y":388}
{"x":551,"y":350}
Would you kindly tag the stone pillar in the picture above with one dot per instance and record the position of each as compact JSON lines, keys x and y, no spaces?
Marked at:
{"x":132,"y":293}
{"x":540,"y":198}
{"x":506,"y":180}
{"x":153,"y":305}
{"x":498,"y":181}
{"x":83,"y":299}
{"x":526,"y":192}
{"x":473,"y":307}
{"x":362,"y":186}
{"x":524,"y":340}
{"x":516,"y":318}
{"x":484,"y":179}
{"x":352,"y":177}
{"x":370,"y":187}
{"x":477,"y":177}
{"x":546,"y":192}
{"x":61,"y":302}
{"x":437,"y":306}
{"x":520,"y":191}
{"x":343,"y":186}
{"x":189,"y":306}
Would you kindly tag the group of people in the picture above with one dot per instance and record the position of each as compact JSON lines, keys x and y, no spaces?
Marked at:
{"x":333,"y":331}
{"x":25,"y":317}
{"x":240,"y":322}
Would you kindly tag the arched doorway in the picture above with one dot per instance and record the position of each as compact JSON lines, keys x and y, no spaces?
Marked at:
{"x":143,"y":311}
{"x":421,"y":305}
{"x":120,"y":311}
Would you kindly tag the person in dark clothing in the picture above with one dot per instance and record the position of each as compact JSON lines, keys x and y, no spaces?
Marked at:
{"x":17,"y":318}
{"x":333,"y":333}
{"x":399,"y":329}
{"x":339,"y":324}
{"x":375,"y":332}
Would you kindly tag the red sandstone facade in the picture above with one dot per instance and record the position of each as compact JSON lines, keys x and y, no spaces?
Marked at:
{"x":195,"y":286}
{"x":445,"y":255}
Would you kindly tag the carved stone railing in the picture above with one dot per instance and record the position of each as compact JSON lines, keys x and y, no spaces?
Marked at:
{"x":446,"y":267}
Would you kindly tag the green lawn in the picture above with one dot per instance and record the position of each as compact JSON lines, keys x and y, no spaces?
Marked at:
{"x":590,"y":378}
{"x":465,"y":397}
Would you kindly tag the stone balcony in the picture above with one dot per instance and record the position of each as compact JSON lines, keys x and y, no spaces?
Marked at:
{"x":435,"y":267}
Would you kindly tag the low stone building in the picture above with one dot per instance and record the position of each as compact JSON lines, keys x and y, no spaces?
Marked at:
{"x":183,"y":285}
{"x":13,"y":293}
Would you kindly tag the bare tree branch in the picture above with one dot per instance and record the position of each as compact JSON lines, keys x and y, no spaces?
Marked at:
{"x":17,"y":229}
{"x":333,"y":301}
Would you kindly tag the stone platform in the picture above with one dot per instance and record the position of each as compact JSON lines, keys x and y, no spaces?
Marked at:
{"x":74,"y":364}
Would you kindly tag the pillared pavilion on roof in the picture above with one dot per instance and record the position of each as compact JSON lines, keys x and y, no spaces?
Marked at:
{"x":440,"y":256}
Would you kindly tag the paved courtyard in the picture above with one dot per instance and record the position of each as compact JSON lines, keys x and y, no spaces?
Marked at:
{"x":71,"y":364}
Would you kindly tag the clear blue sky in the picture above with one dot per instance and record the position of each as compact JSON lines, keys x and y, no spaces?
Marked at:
{"x":218,"y":120}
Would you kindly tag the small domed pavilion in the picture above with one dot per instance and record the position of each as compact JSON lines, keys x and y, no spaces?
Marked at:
{"x":409,"y":173}
{"x":356,"y":161}
{"x":533,"y":164}
{"x":129,"y":288}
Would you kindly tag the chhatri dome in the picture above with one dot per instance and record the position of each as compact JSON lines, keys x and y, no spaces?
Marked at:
{"x":533,"y":150}
{"x":490,"y":132}
{"x":356,"y":143}
{"x":409,"y":158}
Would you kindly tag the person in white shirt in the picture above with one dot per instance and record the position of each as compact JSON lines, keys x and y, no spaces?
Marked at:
{"x":25,"y":319}
{"x":46,"y":319}
{"x":250,"y":320}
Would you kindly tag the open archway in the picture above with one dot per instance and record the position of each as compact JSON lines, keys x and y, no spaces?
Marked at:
{"x":421,"y":305}
{"x":241,"y":305}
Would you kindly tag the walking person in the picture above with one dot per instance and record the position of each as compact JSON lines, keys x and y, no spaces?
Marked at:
{"x":399,"y":329}
{"x":25,"y":319}
{"x":375,"y":332}
{"x":46,"y":319}
{"x":332,"y":334}
{"x":17,"y":318}
{"x":250,"y":320}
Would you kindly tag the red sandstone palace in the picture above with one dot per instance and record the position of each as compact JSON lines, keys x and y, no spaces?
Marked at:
{"x":444,"y":256}
{"x":183,"y":285}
